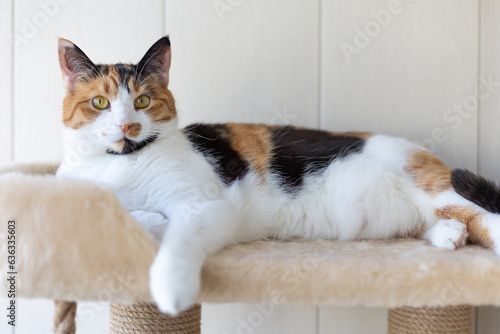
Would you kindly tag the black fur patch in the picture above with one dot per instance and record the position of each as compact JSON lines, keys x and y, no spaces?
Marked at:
{"x":103,"y":69}
{"x":214,"y":142}
{"x":126,"y":72}
{"x":476,"y":189}
{"x":131,"y":146}
{"x":299,"y":152}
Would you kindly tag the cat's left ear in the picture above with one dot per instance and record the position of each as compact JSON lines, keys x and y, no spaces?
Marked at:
{"x":75,"y":65}
{"x":156,"y":60}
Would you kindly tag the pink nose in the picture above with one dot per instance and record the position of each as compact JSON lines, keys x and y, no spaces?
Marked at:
{"x":125,"y":127}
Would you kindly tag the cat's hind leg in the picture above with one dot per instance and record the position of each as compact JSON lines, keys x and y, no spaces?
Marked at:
{"x":450,"y":208}
{"x":483,"y":227}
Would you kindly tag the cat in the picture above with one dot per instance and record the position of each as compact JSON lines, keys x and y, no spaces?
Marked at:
{"x":206,"y":186}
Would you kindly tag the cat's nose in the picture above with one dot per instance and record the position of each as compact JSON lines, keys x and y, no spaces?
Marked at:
{"x":125,"y":127}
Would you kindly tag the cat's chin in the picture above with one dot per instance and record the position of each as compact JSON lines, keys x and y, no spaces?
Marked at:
{"x":127,"y":146}
{"x":117,"y":146}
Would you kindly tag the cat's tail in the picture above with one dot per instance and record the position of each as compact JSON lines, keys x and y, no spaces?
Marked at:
{"x":476,"y":189}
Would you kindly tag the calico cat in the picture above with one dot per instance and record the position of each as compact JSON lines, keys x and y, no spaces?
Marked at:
{"x":210,"y":185}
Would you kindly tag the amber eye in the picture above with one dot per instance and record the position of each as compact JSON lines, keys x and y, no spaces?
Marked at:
{"x":142,"y":102}
{"x":100,"y":102}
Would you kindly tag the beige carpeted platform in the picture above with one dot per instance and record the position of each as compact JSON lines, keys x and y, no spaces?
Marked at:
{"x":77,"y":243}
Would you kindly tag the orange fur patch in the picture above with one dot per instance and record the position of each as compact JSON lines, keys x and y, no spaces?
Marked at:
{"x":134,"y":130}
{"x":118,"y":146}
{"x":77,"y":106}
{"x":472,"y":219}
{"x":162,"y":106}
{"x":253,"y":143}
{"x":429,"y":173}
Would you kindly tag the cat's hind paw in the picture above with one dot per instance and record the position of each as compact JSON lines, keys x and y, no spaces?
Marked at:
{"x":448,"y":234}
{"x":174,"y":283}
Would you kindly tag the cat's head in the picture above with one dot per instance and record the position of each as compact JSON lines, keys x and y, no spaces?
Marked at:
{"x":119,"y":107}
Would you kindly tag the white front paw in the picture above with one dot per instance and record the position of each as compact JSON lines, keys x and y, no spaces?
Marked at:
{"x":447,"y":234}
{"x":174,"y":282}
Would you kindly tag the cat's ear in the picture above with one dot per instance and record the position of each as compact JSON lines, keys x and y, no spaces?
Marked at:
{"x":75,"y":65}
{"x":156,"y":60}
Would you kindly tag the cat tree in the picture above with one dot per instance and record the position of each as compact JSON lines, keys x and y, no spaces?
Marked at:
{"x":76,"y":242}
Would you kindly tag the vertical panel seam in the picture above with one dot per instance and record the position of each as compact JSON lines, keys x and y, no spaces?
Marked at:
{"x":12,"y":82}
{"x":319,"y":319}
{"x":12,"y":54}
{"x":479,"y":165}
{"x":320,"y":65}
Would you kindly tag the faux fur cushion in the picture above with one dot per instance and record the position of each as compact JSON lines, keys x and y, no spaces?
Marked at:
{"x":76,"y":242}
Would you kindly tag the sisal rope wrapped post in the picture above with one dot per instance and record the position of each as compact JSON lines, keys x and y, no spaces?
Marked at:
{"x":142,"y":318}
{"x":64,"y":317}
{"x":430,"y":320}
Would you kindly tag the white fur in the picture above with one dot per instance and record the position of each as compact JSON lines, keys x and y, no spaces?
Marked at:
{"x":153,"y":222}
{"x":452,"y":198}
{"x":447,"y":234}
{"x":492,"y":223}
{"x":365,"y":195}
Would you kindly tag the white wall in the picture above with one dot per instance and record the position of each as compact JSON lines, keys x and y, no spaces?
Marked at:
{"x":279,"y":62}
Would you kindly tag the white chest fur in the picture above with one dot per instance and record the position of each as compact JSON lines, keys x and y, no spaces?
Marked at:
{"x":157,"y":178}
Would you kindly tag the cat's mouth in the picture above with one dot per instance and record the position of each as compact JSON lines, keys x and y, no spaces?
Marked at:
{"x":127,"y":146}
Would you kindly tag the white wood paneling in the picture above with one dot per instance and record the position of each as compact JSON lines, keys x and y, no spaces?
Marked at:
{"x":489,"y":116}
{"x":106,"y":30}
{"x":5,"y":328}
{"x":5,"y":114}
{"x":488,"y":318}
{"x":353,"y":320}
{"x":5,"y":117}
{"x":258,"y":319}
{"x":5,"y":81}
{"x":408,"y":73}
{"x":92,"y":318}
{"x":245,"y":61}
{"x":34,"y":316}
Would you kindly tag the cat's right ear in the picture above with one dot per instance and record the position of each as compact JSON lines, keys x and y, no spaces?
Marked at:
{"x":75,"y":65}
{"x":156,"y":60}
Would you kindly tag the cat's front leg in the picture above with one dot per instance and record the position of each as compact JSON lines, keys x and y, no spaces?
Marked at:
{"x":152,"y":222}
{"x":195,"y":232}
